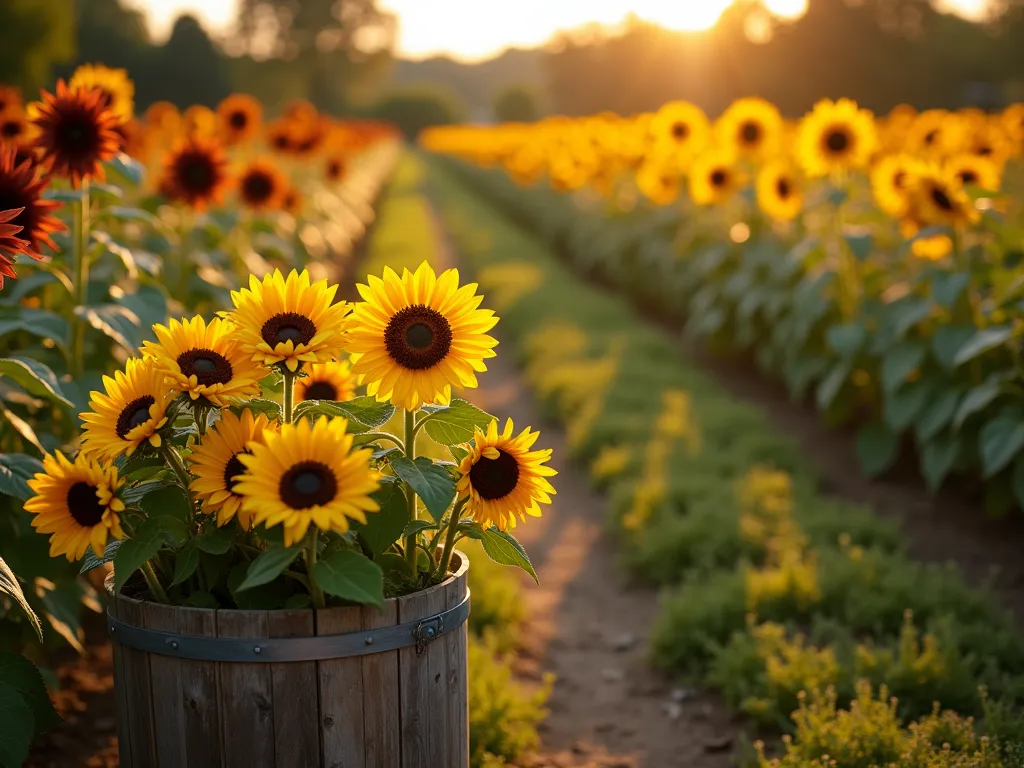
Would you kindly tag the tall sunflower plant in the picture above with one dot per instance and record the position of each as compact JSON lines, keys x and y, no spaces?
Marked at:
{"x":233,"y":462}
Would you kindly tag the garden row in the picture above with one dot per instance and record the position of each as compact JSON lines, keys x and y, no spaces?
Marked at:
{"x":791,"y":604}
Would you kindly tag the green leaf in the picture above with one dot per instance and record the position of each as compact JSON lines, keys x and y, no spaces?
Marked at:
{"x":185,"y":563}
{"x":877,"y":448}
{"x":999,"y":442}
{"x":503,"y":548}
{"x":846,"y":339}
{"x":38,"y":322}
{"x":268,"y":566}
{"x":363,"y":413}
{"x":906,"y":313}
{"x":258,"y":406}
{"x":431,"y":482}
{"x":91,"y":562}
{"x":899,"y":362}
{"x":166,"y":501}
{"x":454,"y":425}
{"x":384,"y":528}
{"x":418,"y":526}
{"x":982,"y":341}
{"x":271,"y":596}
{"x":217,"y":541}
{"x":132,"y":555}
{"x":10,"y":586}
{"x":458,"y":453}
{"x":860,"y":245}
{"x":127,"y":169}
{"x":831,"y":384}
{"x":16,"y":469}
{"x":937,"y":459}
{"x":17,"y":727}
{"x":948,"y":341}
{"x":947,"y":287}
{"x":201,"y":600}
{"x":351,"y":576}
{"x":977,"y":399}
{"x":34,"y":377}
{"x":1018,"y":480}
{"x":901,"y":407}
{"x":938,"y":414}
{"x":22,"y":675}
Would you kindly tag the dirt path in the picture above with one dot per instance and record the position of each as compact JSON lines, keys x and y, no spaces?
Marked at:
{"x":586,"y":625}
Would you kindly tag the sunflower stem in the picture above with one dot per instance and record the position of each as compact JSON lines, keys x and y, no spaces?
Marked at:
{"x":310,"y":554}
{"x":288,"y":400}
{"x":386,"y":436}
{"x":410,"y":494}
{"x":181,"y":473}
{"x":81,"y":281}
{"x":153,"y":581}
{"x":449,"y":541}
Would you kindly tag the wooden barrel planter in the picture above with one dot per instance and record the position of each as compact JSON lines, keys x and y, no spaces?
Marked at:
{"x":348,"y":687}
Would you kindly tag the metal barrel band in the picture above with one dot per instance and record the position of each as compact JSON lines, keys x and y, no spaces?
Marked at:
{"x":418,"y":633}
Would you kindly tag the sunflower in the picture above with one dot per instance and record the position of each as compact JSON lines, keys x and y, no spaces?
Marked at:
{"x":13,"y":128}
{"x":307,"y":475}
{"x":21,"y":189}
{"x":931,"y":248}
{"x":891,"y":179}
{"x":714,"y":178}
{"x":117,"y":88}
{"x":327,"y":381}
{"x":752,"y":126}
{"x":502,"y":478}
{"x":77,"y":503}
{"x":240,"y":117}
{"x":835,"y":136}
{"x":129,"y":413}
{"x":10,"y":99}
{"x":289,"y":320}
{"x":206,"y":361}
{"x":659,"y":183}
{"x":195,"y":173}
{"x":780,"y":191}
{"x":975,"y":171}
{"x":937,"y":197}
{"x":291,"y":202}
{"x":413,"y":337}
{"x":334,"y":168}
{"x":679,"y":127}
{"x":262,"y":185}
{"x":936,"y":133}
{"x":10,"y":244}
{"x":199,"y":120}
{"x":75,"y":132}
{"x":279,"y":135}
{"x":216,"y":467}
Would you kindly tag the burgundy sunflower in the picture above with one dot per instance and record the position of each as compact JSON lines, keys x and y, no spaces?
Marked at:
{"x":195,"y":173}
{"x":10,"y":244}
{"x":76,"y":132}
{"x":21,"y":188}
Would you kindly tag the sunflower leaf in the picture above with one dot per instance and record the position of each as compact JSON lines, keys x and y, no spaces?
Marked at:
{"x":503,"y":548}
{"x":10,"y":586}
{"x":431,"y":482}
{"x":351,"y":576}
{"x":16,"y":469}
{"x":454,"y":425}
{"x":386,"y":527}
{"x":185,"y":563}
{"x":133,"y":554}
{"x":34,"y":377}
{"x":258,"y":406}
{"x":267,"y":567}
{"x":21,"y":675}
{"x":91,"y":562}
{"x":17,"y":726}
{"x":217,"y":542}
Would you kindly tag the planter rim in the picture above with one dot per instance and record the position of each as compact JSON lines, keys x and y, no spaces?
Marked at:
{"x":418,"y":633}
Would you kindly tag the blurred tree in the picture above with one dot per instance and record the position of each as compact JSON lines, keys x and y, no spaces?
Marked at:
{"x":516,"y":104}
{"x":188,"y":69}
{"x":34,"y":36}
{"x":413,"y":109}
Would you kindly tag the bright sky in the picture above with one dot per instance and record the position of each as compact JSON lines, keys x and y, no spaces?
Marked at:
{"x":478,"y":29}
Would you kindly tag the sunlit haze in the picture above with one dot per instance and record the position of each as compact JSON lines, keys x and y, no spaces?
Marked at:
{"x":470,"y":29}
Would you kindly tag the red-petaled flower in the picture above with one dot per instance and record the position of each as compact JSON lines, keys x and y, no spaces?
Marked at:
{"x":10,"y":245}
{"x":262,"y":185}
{"x":195,"y":173}
{"x":76,"y":132}
{"x":21,"y":188}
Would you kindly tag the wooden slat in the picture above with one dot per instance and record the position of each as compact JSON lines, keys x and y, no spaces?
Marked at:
{"x":381,"y":730}
{"x":341,"y":694}
{"x":246,"y":697}
{"x":422,"y":686}
{"x":139,"y":691}
{"x":457,"y":694}
{"x":120,"y":687}
{"x":199,"y":694}
{"x":296,"y":719}
{"x":168,"y":703}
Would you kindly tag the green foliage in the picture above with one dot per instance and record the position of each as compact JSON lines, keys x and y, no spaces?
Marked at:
{"x":413,"y":109}
{"x":516,"y":104}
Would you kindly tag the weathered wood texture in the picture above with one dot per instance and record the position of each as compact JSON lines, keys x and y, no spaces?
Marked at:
{"x":396,"y":709}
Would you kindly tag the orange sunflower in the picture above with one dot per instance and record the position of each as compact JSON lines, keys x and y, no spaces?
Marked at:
{"x":262,"y":186}
{"x":195,"y":173}
{"x":239,"y":117}
{"x":76,"y":132}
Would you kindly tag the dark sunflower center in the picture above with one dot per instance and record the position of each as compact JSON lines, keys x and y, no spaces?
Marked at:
{"x":196,"y":173}
{"x":321,"y":390}
{"x":495,"y":478}
{"x":288,"y":326}
{"x":899,"y":179}
{"x":308,"y":484}
{"x":750,"y":132}
{"x":941,"y":199}
{"x":418,"y":337}
{"x":106,"y":97}
{"x":837,"y":140}
{"x":680,"y":130}
{"x":718,"y":177}
{"x":985,"y":151}
{"x":134,"y":414}
{"x":238,"y":120}
{"x":207,"y":366}
{"x":783,"y":187}
{"x":281,"y":142}
{"x":931,"y":136}
{"x":10,"y":129}
{"x":76,"y":134}
{"x":968,"y":177}
{"x":257,"y":187}
{"x":84,"y":504}
{"x":334,"y":169}
{"x":232,"y":470}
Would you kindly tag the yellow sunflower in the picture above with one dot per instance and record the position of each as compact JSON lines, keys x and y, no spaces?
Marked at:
{"x":77,"y":503}
{"x":714,"y":178}
{"x":936,"y":133}
{"x":930,"y":248}
{"x":206,"y":361}
{"x":307,"y":475}
{"x":129,"y":412}
{"x":659,"y":183}
{"x":835,"y":136}
{"x":680,"y":128}
{"x":891,"y":179}
{"x":780,"y":191}
{"x":327,"y":381}
{"x":752,"y":126}
{"x":117,"y":88}
{"x":975,"y":171}
{"x":289,"y":320}
{"x":502,"y":478}
{"x":413,"y":337}
{"x":937,"y":197}
{"x":215,"y":465}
